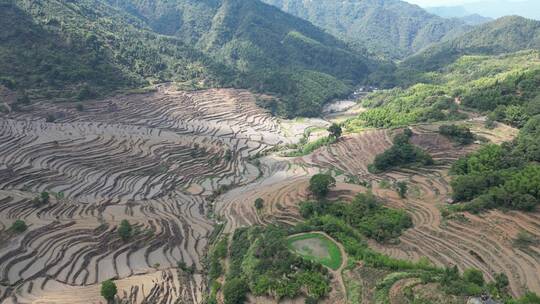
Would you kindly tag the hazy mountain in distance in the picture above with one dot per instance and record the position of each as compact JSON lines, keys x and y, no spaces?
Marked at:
{"x":392,"y":28}
{"x":458,"y":12}
{"x":475,"y":19}
{"x":492,"y":9}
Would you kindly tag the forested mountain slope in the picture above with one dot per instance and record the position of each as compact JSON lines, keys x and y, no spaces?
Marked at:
{"x":504,"y":35}
{"x":508,"y":86}
{"x":274,"y":51}
{"x":207,"y":43}
{"x":61,"y":48}
{"x":391,"y":28}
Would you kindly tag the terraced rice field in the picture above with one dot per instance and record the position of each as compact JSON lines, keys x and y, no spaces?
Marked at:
{"x":480,"y":241}
{"x":152,"y":159}
{"x":159,"y":159}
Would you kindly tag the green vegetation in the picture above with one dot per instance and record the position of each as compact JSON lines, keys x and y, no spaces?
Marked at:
{"x":216,"y":270}
{"x":320,"y":184}
{"x":506,"y":176}
{"x":471,"y":283}
{"x":335,"y":130}
{"x":401,"y":153}
{"x":525,"y":239}
{"x":504,"y":35}
{"x":42,"y":199}
{"x":332,"y":259}
{"x":528,"y":298}
{"x":108,"y":290}
{"x":402,"y":188}
{"x":365,"y":216}
{"x":507,"y":85}
{"x":259,"y":204}
{"x":459,"y":134}
{"x":125,"y":230}
{"x":235,"y":290}
{"x":305,"y":148}
{"x":85,"y":49}
{"x":19,"y":226}
{"x":261,"y":263}
{"x":365,"y":24}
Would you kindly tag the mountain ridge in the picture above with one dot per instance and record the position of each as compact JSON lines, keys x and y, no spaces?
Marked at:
{"x":393,"y":28}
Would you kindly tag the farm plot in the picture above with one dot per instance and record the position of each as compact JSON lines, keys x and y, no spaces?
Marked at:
{"x":482,"y":241}
{"x":151,"y":159}
{"x":317,"y":247}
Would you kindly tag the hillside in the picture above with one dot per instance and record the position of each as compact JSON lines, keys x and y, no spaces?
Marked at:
{"x":56,"y":49}
{"x":198,"y":44}
{"x":504,"y":35}
{"x":507,"y":84}
{"x":273,"y":51}
{"x":391,"y":28}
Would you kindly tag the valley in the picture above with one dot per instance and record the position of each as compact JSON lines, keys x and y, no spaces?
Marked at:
{"x":267,"y":151}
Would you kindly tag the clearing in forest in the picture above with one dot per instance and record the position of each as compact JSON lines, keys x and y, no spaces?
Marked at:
{"x":317,"y":247}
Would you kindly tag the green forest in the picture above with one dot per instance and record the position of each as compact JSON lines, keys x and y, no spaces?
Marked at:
{"x":88,"y":49}
{"x":505,"y":86}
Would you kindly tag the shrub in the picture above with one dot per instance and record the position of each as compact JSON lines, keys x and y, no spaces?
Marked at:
{"x":42,"y":199}
{"x":125,"y":231}
{"x":402,"y":189}
{"x":19,"y":226}
{"x":460,"y":134}
{"x":528,"y":298}
{"x":235,"y":291}
{"x":474,"y":276}
{"x":108,"y":290}
{"x":335,"y":130}
{"x":501,"y":281}
{"x":320,"y":184}
{"x":401,"y":153}
{"x":259,"y":203}
{"x":45,"y":197}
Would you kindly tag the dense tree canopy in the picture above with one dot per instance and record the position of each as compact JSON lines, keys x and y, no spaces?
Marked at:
{"x":320,"y":184}
{"x":401,"y":153}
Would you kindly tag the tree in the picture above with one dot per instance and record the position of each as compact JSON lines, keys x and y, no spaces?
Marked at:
{"x":234,"y":291}
{"x":125,"y":230}
{"x":259,"y":203}
{"x":108,"y":290}
{"x":44,"y":197}
{"x":501,"y":281}
{"x":335,"y":130}
{"x":310,"y":300}
{"x":402,"y":189}
{"x":474,"y":276}
{"x":19,"y":226}
{"x":529,"y":298}
{"x":320,"y":184}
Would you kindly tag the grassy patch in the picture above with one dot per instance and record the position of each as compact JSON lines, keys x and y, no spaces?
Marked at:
{"x":332,"y":260}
